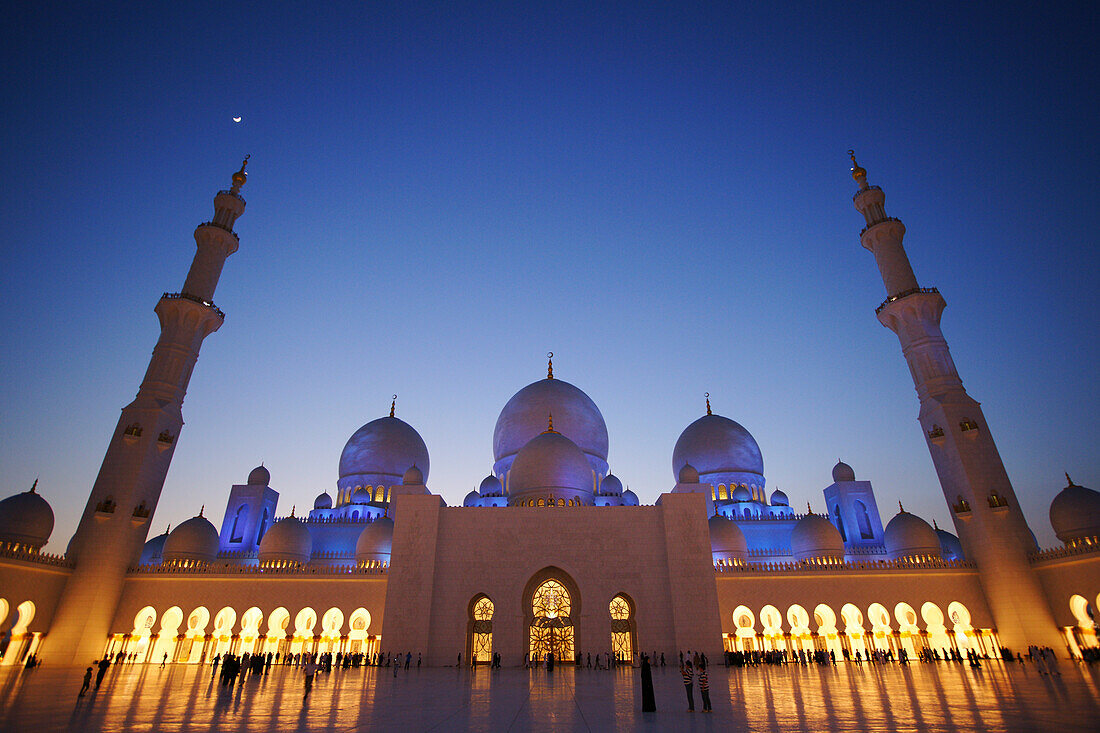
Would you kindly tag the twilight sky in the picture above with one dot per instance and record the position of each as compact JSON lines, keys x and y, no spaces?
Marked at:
{"x":657,"y":192}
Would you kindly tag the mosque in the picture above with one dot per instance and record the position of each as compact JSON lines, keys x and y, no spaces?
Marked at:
{"x":383,"y":564}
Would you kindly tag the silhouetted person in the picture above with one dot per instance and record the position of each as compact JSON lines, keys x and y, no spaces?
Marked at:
{"x":310,"y":670}
{"x":408,"y":659}
{"x":649,"y":704}
{"x":419,"y":659}
{"x":103,"y":665}
{"x":87,"y":682}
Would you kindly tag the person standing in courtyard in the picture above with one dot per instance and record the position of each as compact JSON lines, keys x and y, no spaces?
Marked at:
{"x":103,"y":665}
{"x":704,"y":687}
{"x":87,"y":682}
{"x":649,"y":704}
{"x":310,"y":670}
{"x":689,"y":676}
{"x":165,"y":660}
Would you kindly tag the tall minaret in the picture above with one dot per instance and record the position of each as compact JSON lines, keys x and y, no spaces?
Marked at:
{"x":115,"y":523}
{"x":987,"y":515}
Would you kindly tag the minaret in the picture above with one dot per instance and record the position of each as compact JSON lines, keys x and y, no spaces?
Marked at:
{"x":987,"y":515}
{"x":124,"y":497}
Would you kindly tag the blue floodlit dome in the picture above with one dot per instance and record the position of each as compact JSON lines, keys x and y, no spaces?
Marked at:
{"x":722,"y":451}
{"x":380,"y":452}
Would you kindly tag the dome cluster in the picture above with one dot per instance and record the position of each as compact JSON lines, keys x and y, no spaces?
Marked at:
{"x":381,"y":453}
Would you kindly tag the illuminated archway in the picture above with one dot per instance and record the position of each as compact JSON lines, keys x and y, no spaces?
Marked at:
{"x":195,"y":635}
{"x":933,"y":626}
{"x":960,"y":624}
{"x":277,"y":624}
{"x":143,"y":628}
{"x":1085,"y":614}
{"x":164,"y":650}
{"x":331,"y":624}
{"x":853,"y":628}
{"x":223,"y":630}
{"x":303,"y":631}
{"x":358,"y":640}
{"x":799,"y":621}
{"x":880,"y":625}
{"x":772,"y":621}
{"x":623,"y":632}
{"x":551,"y":602}
{"x":825,"y":618}
{"x":744,"y":624}
{"x":479,"y":630}
{"x":908,"y":630}
{"x":250,"y":631}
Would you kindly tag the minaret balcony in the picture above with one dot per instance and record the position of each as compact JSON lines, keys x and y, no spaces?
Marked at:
{"x":862,"y":191}
{"x":194,"y":299}
{"x":883,"y":220}
{"x":905,"y":294}
{"x":222,"y":227}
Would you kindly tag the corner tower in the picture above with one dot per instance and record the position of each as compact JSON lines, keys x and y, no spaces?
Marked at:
{"x":988,"y":517}
{"x":115,"y":522}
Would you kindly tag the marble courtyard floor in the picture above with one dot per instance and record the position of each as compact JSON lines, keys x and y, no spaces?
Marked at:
{"x":941,"y":697}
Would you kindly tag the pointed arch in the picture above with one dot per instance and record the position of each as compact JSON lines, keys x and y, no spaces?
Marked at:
{"x":624,"y":629}
{"x":551,"y":601}
{"x":479,"y":629}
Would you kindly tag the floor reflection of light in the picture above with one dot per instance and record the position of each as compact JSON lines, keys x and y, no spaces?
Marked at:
{"x":848,"y":697}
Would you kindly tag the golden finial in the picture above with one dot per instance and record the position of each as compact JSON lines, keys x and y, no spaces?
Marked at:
{"x":900,"y":507}
{"x":550,"y":426}
{"x":240,"y":177}
{"x":550,"y":365}
{"x":34,"y":485}
{"x":393,"y":405}
{"x":1069,"y":481}
{"x":857,"y":171}
{"x":292,"y":508}
{"x":202,"y":509}
{"x":707,"y":395}
{"x":809,"y":509}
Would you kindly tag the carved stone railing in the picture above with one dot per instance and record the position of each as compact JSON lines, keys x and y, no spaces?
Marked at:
{"x":825,"y":567}
{"x":223,"y":227}
{"x":857,"y":194}
{"x":234,"y":569}
{"x":1057,"y":553}
{"x":28,"y":555}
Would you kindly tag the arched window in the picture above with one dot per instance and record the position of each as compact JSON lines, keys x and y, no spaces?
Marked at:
{"x":840,"y":522}
{"x":263,"y":526}
{"x":622,"y":629}
{"x":551,"y":625}
{"x":864,"y":520}
{"x":237,"y":533}
{"x":479,"y":644}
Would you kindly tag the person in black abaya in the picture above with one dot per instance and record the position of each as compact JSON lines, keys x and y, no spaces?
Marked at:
{"x":649,"y":705}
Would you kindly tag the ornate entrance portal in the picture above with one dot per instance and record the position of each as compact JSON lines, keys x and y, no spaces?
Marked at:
{"x":551,"y":627}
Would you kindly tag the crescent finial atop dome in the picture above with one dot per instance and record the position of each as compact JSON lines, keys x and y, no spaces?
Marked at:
{"x":393,"y":405}
{"x":900,"y":507}
{"x":240,"y":177}
{"x":549,"y":364}
{"x":550,"y":423}
{"x":707,"y":395}
{"x":35,"y":484}
{"x":202,"y":509}
{"x":1069,"y":481}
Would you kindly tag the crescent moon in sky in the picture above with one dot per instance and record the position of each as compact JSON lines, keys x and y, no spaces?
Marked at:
{"x":236,"y":119}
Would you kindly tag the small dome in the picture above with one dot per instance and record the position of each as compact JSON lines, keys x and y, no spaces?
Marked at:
{"x":152,"y":553}
{"x":260,"y":476}
{"x":361,"y":495}
{"x":323,"y":501}
{"x":413,"y":477}
{"x":779,"y":499}
{"x":194,"y":540}
{"x":490,"y":486}
{"x":1074,"y":513}
{"x":288,"y":540}
{"x":687,"y":475}
{"x":471,"y":499}
{"x":26,"y":519}
{"x":741,"y":493}
{"x":611,"y":486}
{"x":630,"y":498}
{"x":950,"y":546}
{"x":813,"y":537}
{"x":727,"y":539}
{"x":375,"y":541}
{"x":908,"y":535}
{"x":550,"y":461}
{"x":843,"y":472}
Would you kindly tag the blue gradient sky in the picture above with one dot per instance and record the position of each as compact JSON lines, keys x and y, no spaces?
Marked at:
{"x":438,"y":196}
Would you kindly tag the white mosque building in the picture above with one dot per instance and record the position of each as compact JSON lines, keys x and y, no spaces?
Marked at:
{"x":383,"y":564}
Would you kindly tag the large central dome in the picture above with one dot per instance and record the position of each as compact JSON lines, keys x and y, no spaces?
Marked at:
{"x":575,"y":416}
{"x":379,"y":453}
{"x":721,"y":450}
